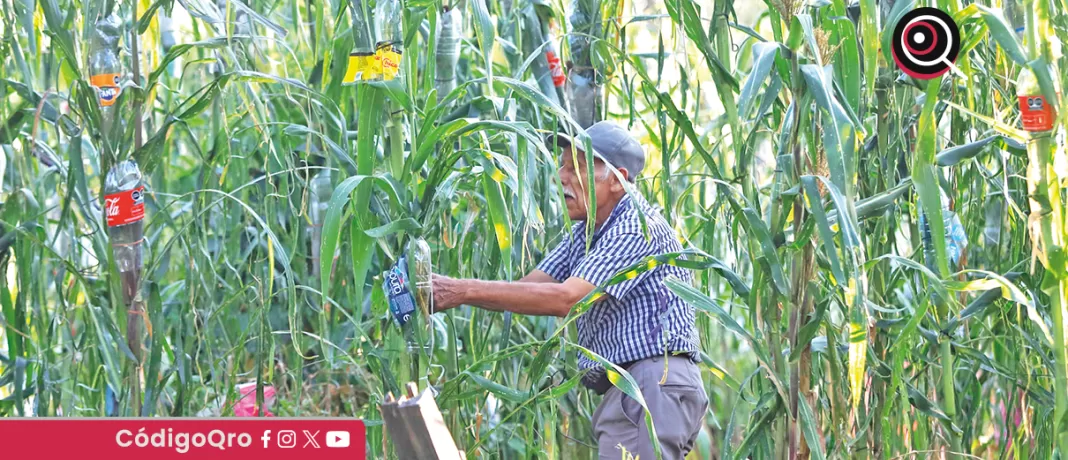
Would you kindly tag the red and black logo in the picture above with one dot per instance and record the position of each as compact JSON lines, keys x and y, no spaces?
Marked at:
{"x":926,"y":42}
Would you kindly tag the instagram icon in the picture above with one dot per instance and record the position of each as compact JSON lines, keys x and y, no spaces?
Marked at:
{"x":287,"y":439}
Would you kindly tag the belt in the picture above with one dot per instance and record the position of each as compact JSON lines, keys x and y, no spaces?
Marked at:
{"x":602,"y":385}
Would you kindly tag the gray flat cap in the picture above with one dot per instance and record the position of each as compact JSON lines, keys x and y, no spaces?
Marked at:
{"x":612,"y":143}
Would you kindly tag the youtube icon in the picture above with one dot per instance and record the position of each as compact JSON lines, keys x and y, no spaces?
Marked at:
{"x":337,"y":439}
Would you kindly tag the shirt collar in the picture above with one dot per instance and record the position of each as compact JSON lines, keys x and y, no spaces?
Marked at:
{"x":622,"y":206}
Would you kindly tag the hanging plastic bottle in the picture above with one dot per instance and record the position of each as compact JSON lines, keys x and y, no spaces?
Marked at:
{"x":321,"y":189}
{"x":583,"y":88}
{"x":1036,"y":113}
{"x":363,"y":65}
{"x":390,"y":46}
{"x":105,"y":70}
{"x":167,"y":40}
{"x":994,"y":214}
{"x":955,"y":237}
{"x":124,"y":204}
{"x":546,"y":69}
{"x":166,"y":31}
{"x":447,"y":55}
{"x":1013,"y":12}
{"x":552,"y":56}
{"x":555,"y":68}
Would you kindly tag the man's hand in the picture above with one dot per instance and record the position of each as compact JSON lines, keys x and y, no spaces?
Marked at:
{"x":447,"y":292}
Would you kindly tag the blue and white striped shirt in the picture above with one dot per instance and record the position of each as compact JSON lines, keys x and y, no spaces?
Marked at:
{"x":641,"y":318}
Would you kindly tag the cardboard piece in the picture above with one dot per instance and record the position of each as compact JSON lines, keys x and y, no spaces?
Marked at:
{"x":415,"y":426}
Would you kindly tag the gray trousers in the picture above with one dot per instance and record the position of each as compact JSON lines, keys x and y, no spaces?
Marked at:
{"x":677,"y":407}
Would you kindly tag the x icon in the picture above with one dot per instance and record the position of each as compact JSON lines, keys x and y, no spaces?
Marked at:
{"x":311,"y":439}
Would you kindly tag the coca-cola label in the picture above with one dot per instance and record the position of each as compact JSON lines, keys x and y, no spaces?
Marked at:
{"x":125,"y":207}
{"x":1036,"y":114}
{"x":389,"y":57}
{"x":555,"y":69}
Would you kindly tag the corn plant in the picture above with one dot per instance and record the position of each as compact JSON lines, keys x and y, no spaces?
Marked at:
{"x":880,"y":262}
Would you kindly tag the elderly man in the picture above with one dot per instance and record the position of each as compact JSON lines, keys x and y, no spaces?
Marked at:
{"x":636,"y":325}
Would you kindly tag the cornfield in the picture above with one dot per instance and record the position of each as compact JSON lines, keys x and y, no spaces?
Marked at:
{"x":880,"y":261}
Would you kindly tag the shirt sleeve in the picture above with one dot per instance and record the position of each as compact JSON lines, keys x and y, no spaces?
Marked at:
{"x":557,"y":264}
{"x":612,"y":256}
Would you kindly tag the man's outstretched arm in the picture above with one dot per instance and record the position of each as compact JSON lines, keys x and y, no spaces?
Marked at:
{"x":538,"y":276}
{"x":523,"y":297}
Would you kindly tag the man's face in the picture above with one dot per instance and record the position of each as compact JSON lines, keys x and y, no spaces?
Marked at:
{"x":573,"y":176}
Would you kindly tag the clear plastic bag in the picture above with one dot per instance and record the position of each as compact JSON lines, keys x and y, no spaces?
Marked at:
{"x":320,"y":190}
{"x":583,"y":93}
{"x":390,"y":46}
{"x":447,"y":55}
{"x":362,"y":66}
{"x":955,"y":237}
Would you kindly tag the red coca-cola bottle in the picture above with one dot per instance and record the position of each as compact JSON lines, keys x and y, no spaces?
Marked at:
{"x":124,"y":206}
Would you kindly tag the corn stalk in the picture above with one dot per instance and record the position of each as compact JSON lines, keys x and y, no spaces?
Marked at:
{"x":1046,"y":221}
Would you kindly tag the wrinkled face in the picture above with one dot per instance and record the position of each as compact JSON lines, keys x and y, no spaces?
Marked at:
{"x":573,"y":176}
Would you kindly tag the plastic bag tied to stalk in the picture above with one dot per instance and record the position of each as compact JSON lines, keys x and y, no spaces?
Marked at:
{"x":124,"y":205}
{"x":447,"y":55}
{"x":321,"y":189}
{"x":390,"y":46}
{"x":583,"y":92}
{"x":363,"y":65}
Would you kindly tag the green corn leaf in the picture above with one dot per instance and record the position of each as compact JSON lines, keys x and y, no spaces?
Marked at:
{"x":759,"y":428}
{"x":504,"y":392}
{"x":847,"y":59}
{"x":808,"y":331}
{"x":332,"y":224}
{"x":810,"y":428}
{"x":1001,"y":32}
{"x":704,"y":303}
{"x":815,"y":206}
{"x":764,"y":55}
{"x":869,"y":31}
{"x":955,"y":155}
{"x":718,"y":371}
{"x":486,"y":34}
{"x":923,"y":176}
{"x":561,"y":390}
{"x":755,"y":225}
{"x":858,"y":354}
{"x":405,"y":225}
{"x":920,"y":402}
{"x":626,"y":384}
